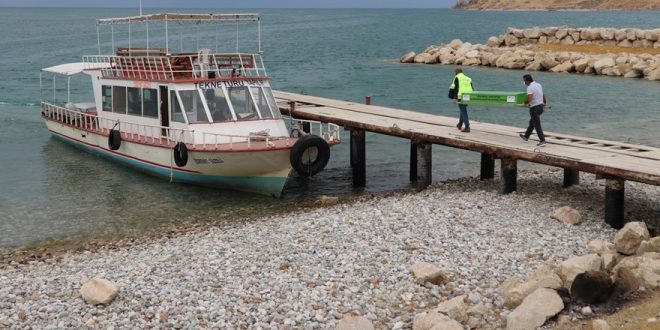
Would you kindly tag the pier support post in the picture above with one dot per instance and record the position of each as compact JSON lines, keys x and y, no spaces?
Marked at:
{"x":424,"y":166}
{"x":367,"y":101}
{"x":614,"y":202}
{"x":571,"y":177}
{"x":487,"y":166}
{"x":509,"y":175}
{"x":413,"y":161}
{"x":358,"y":157}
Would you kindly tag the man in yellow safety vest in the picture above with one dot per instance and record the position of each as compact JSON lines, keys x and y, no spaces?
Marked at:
{"x":461,"y":84}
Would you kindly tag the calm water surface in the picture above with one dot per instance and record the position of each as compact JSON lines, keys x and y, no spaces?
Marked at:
{"x":50,"y":191}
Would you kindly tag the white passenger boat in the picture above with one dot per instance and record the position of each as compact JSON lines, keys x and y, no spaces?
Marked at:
{"x":200,"y":117}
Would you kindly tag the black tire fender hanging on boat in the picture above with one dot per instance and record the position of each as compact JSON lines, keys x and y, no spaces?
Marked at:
{"x":114,"y":139}
{"x":180,"y":154}
{"x":302,"y":153}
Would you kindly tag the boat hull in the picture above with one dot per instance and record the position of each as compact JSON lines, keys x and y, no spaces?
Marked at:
{"x":261,"y":171}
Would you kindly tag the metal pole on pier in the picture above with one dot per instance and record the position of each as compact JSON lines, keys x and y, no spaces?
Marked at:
{"x":487,"y":166}
{"x":571,"y":177}
{"x":509,"y":174}
{"x":614,"y":202}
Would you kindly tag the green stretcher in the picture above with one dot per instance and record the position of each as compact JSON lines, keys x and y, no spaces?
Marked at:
{"x":494,"y":98}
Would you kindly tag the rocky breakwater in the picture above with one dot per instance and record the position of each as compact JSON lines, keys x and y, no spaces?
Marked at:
{"x":630,"y":53}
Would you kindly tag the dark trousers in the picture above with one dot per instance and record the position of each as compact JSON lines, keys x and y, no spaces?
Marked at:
{"x":463,"y":116}
{"x":535,"y":122}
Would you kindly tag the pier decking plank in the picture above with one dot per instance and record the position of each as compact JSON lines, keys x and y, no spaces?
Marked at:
{"x":607,"y":158}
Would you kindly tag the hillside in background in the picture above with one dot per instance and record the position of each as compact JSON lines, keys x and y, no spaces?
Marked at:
{"x":558,"y":4}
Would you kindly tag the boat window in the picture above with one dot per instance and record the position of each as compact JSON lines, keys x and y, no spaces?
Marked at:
{"x":134,"y":101}
{"x":177,"y":114}
{"x":119,"y":99}
{"x":192,"y":103}
{"x":271,"y":101}
{"x":242,"y":103}
{"x":150,"y":103}
{"x":218,"y":105}
{"x":106,"y":96}
{"x":262,"y":104}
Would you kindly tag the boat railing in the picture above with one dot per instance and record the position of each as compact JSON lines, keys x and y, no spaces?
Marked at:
{"x":328,"y":131}
{"x":162,"y":135}
{"x":201,"y":65}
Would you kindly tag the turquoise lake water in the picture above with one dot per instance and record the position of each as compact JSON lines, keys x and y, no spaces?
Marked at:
{"x":50,"y":191}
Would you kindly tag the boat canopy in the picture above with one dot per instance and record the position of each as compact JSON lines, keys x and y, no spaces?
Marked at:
{"x":71,"y":69}
{"x":162,"y":20}
{"x":68,"y":69}
{"x":195,"y":18}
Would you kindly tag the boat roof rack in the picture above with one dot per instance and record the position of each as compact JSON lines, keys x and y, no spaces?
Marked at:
{"x":180,"y":17}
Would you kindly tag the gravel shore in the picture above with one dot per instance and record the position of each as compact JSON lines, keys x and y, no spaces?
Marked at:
{"x":309,"y":269}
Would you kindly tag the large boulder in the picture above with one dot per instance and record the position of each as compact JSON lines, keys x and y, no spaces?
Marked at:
{"x":455,"y":308}
{"x":561,"y":33}
{"x":605,"y":62}
{"x":577,"y":265}
{"x":607,"y":34}
{"x":455,"y":43}
{"x":549,"y":62}
{"x":99,"y":291}
{"x":446,"y":58}
{"x":472,"y":61}
{"x":426,"y":272}
{"x":425,"y":58}
{"x":568,"y":40}
{"x":566,"y":214}
{"x":534,"y":66}
{"x":612,"y":72}
{"x":472,"y":53}
{"x":408,"y":58}
{"x":537,"y":308}
{"x":654,"y":75}
{"x":464,"y":49}
{"x":533,"y":33}
{"x":493,"y":42}
{"x":435,"y":320}
{"x":652,"y":35}
{"x":543,"y":277}
{"x":515,"y":32}
{"x":628,"y":239}
{"x":632,"y":34}
{"x":644,"y":269}
{"x":652,"y":245}
{"x":510,"y":40}
{"x":581,"y":64}
{"x":610,"y":260}
{"x":625,"y":44}
{"x":620,"y":34}
{"x":625,"y":282}
{"x":599,"y":247}
{"x":488,"y":59}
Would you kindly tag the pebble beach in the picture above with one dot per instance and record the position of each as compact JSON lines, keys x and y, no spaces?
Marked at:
{"x":310,"y":268}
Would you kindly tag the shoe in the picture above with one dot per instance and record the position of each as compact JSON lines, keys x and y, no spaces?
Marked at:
{"x":541,"y":144}
{"x":466,"y":130}
{"x":458,"y":126}
{"x":522,"y":136}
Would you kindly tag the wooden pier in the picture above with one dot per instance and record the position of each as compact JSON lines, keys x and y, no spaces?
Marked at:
{"x":615,"y":162}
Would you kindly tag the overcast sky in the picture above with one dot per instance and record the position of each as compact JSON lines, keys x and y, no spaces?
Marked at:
{"x":233,"y":3}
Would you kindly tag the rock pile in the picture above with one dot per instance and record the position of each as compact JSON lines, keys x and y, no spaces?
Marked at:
{"x":515,"y":50}
{"x":631,"y":264}
{"x":563,"y":35}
